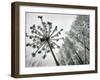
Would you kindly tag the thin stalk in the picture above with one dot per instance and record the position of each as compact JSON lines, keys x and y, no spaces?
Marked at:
{"x":57,"y":63}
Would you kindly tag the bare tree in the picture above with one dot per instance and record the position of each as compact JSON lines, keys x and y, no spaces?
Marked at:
{"x":76,"y":45}
{"x":80,"y":33}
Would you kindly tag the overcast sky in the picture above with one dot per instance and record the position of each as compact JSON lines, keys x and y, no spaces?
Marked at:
{"x":60,"y":20}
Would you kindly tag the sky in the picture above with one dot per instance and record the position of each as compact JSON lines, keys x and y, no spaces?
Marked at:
{"x":61,"y":20}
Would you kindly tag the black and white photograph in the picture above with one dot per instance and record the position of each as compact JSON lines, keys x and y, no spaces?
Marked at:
{"x":57,"y":39}
{"x":52,"y":39}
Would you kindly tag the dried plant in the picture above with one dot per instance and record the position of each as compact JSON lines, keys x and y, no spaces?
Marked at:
{"x":44,"y":39}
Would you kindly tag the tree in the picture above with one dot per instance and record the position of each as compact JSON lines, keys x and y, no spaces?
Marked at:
{"x":80,"y":34}
{"x":76,"y":47}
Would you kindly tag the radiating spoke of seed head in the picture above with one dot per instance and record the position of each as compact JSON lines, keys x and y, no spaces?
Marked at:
{"x":26,"y":34}
{"x":40,"y":17}
{"x":43,"y":24}
{"x":29,"y":44}
{"x":48,"y":50}
{"x":33,"y":54}
{"x":45,"y":28}
{"x":33,"y":37}
{"x":30,"y":36}
{"x":37,"y":32}
{"x":34,"y":46}
{"x":44,"y":48}
{"x":38,"y":42}
{"x":57,"y":34}
{"x":39,"y":52}
{"x":57,"y":39}
{"x":49,"y":23}
{"x":39,"y":48}
{"x":53,"y":43}
{"x":40,"y":28}
{"x":34,"y":40}
{"x":38,"y":37}
{"x":55,"y":29}
{"x":52,"y":46}
{"x":44,"y":56}
{"x":33,"y":27}
{"x":50,"y":27}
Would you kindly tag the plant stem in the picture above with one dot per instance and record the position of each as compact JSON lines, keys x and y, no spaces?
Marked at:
{"x":57,"y":63}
